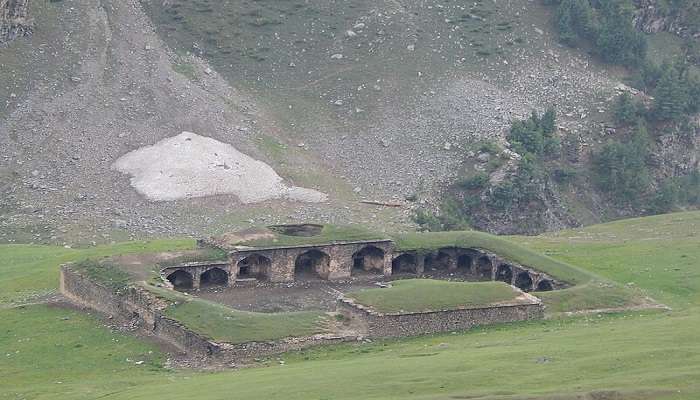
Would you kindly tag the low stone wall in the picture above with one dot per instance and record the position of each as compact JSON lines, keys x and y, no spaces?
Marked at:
{"x":133,"y":304}
{"x":378,"y":324}
{"x":138,"y":304}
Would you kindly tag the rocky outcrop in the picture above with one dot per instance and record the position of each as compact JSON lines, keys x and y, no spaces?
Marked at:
{"x":14,"y":19}
{"x":652,"y":17}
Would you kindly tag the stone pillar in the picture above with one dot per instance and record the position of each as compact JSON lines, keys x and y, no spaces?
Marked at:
{"x":387,"y":263}
{"x":196,"y":278}
{"x":232,"y":272}
{"x":282,"y":265}
{"x":420,"y":264}
{"x":452,"y":261}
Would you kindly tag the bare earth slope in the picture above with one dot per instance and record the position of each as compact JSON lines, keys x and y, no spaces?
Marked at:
{"x":58,"y":143}
{"x":377,"y":100}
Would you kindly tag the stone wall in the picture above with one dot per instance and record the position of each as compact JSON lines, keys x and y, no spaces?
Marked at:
{"x":335,"y":261}
{"x":196,"y":269}
{"x":478,"y":263}
{"x":340,"y":261}
{"x":134,"y":304}
{"x":14,"y":19}
{"x":413,"y":324}
{"x":139,"y":305}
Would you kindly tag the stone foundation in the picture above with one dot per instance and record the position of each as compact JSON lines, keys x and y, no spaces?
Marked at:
{"x":380,"y":325}
{"x":140,"y":306}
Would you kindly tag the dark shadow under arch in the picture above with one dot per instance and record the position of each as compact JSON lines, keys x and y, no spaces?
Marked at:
{"x":504,"y":273}
{"x":405,"y":263}
{"x":254,"y":266}
{"x":465,"y":261}
{"x":484,"y":267}
{"x":368,"y":259}
{"x":213,"y":277}
{"x":181,"y":279}
{"x":523,"y":281}
{"x":310,"y":265}
{"x":545,"y":285}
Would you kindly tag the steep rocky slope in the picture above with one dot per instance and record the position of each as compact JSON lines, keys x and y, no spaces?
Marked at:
{"x":14,"y":19}
{"x":379,"y":100}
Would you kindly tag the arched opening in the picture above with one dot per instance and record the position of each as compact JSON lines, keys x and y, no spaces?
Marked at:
{"x":437,"y":262}
{"x":369,"y":259}
{"x":523,"y":281}
{"x":484,"y":267}
{"x":181,"y":279}
{"x":465,"y":262}
{"x":254,"y":266}
{"x":405,"y":263}
{"x":545,"y":286}
{"x":313,"y":264}
{"x":214,"y":277}
{"x":504,"y":273}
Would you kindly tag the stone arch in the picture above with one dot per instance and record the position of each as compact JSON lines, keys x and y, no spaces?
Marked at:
{"x":523,"y":281}
{"x":213,"y":277}
{"x":504,"y":273}
{"x":484,"y":267}
{"x":312,"y":264}
{"x":438,"y":261}
{"x":254,"y":266}
{"x":465,"y":261}
{"x":181,"y":279}
{"x":545,"y":285}
{"x":404,"y":263}
{"x":369,"y":258}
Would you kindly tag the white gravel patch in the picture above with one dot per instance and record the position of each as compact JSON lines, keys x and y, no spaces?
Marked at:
{"x":189,"y":165}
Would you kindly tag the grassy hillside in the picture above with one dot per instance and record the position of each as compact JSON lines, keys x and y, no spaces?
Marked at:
{"x":628,"y":356}
{"x":32,"y":271}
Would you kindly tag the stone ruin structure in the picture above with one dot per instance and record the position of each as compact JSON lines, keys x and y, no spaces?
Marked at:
{"x":318,"y":263}
{"x":345,"y":260}
{"x":14,"y":19}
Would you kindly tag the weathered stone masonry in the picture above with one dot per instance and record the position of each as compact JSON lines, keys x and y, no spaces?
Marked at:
{"x":376,"y":324}
{"x":143,"y":308}
{"x":340,"y":261}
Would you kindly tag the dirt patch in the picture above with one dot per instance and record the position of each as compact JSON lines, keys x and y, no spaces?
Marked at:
{"x":142,"y":266}
{"x":307,"y":295}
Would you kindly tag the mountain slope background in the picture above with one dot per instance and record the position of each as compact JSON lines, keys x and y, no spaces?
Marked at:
{"x":394,"y":101}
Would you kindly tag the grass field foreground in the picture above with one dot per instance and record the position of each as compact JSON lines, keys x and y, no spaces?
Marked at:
{"x":637,"y":355}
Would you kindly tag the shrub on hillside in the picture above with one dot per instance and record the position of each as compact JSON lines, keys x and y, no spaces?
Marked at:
{"x":535,"y":135}
{"x":608,"y":25}
{"x":627,"y":110}
{"x":478,"y":181}
{"x":620,"y":168}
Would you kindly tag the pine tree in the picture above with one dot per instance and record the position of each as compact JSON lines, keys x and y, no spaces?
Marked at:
{"x":625,"y":109}
{"x":671,"y":97}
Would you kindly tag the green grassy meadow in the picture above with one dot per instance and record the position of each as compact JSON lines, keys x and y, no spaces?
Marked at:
{"x":629,"y":355}
{"x":420,"y":295}
{"x":225,"y":324}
